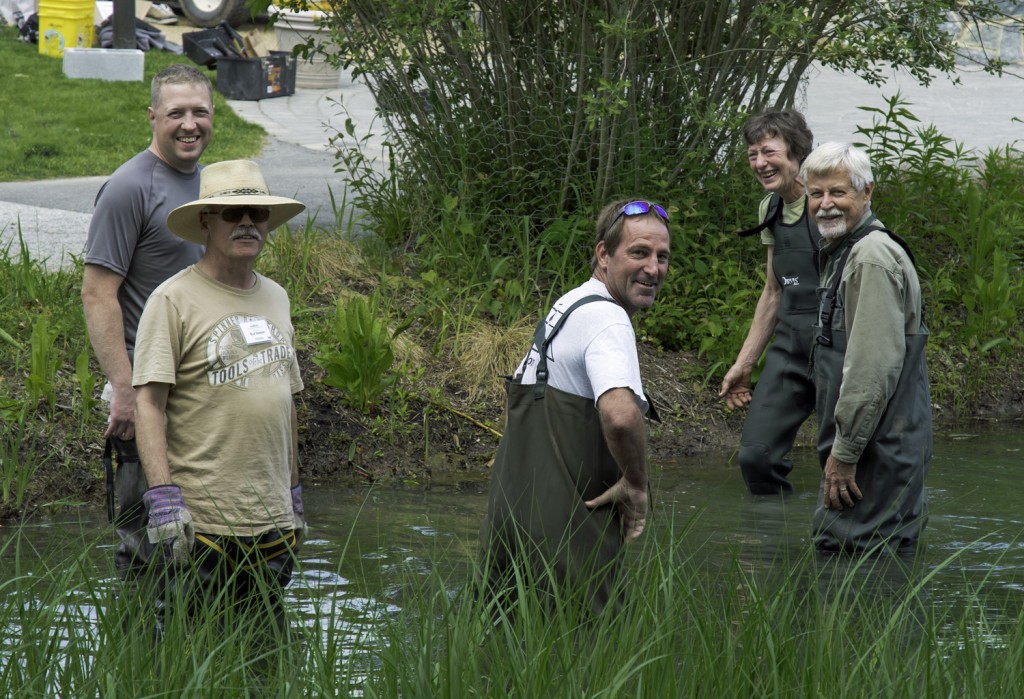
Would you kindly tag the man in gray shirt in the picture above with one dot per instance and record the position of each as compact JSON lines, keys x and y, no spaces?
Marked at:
{"x":129,"y":252}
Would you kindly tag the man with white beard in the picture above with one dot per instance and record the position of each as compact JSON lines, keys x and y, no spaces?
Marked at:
{"x":873,"y":402}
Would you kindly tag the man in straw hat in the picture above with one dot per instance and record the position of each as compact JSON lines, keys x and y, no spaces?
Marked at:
{"x":215,"y":371}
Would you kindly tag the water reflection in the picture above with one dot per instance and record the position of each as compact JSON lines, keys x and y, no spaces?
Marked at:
{"x":368,"y":547}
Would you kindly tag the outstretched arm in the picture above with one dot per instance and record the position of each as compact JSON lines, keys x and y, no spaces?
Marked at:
{"x":736,"y":384}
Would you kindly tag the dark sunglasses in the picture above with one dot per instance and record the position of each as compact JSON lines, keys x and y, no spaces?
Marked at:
{"x":637,"y":208}
{"x":233,"y":214}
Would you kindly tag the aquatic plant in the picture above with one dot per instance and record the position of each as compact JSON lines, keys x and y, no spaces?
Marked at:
{"x":747,"y":623}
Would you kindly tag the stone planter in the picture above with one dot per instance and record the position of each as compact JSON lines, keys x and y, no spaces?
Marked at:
{"x":296,"y":27}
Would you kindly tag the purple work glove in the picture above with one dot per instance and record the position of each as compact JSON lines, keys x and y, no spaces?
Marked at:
{"x":169,"y":521}
{"x":298,"y":516}
{"x":297,"y":508}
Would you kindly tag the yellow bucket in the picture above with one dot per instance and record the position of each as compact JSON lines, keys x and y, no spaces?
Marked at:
{"x":65,"y":24}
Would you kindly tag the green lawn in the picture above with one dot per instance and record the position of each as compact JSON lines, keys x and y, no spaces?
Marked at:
{"x":57,"y":127}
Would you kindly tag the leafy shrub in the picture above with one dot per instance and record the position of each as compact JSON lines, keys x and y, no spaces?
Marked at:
{"x":961,"y":215}
{"x":360,"y":363}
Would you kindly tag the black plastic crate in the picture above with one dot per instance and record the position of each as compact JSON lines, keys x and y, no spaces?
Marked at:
{"x":256,"y":78}
{"x":206,"y":47}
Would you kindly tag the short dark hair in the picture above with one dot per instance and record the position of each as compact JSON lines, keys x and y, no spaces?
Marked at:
{"x":787,"y":124}
{"x":609,"y":229}
{"x":177,"y":74}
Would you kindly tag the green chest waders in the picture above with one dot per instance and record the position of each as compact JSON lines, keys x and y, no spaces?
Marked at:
{"x":551,"y":458}
{"x":784,"y":396}
{"x":894,"y":465}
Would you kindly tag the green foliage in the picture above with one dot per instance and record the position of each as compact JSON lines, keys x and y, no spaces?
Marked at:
{"x":994,"y":292}
{"x":6,"y":337}
{"x":55,"y":126}
{"x":796,"y":627}
{"x":962,"y":215}
{"x":746,"y":626}
{"x":462,"y":280}
{"x":509,"y":124}
{"x":43,"y":362}
{"x":921,"y":174}
{"x":714,"y":277}
{"x":44,"y":305}
{"x":39,"y":309}
{"x":539,"y":110}
{"x":86,"y":380}
{"x":18,"y":462}
{"x":360,"y":363}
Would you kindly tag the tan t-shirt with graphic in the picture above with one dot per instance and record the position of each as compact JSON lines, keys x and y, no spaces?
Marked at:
{"x":229,"y":356}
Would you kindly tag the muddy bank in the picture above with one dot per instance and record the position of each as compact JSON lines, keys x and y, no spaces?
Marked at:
{"x":457,"y":444}
{"x":453,"y":439}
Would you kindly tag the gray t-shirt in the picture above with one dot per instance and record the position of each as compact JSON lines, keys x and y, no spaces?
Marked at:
{"x":128,"y":233}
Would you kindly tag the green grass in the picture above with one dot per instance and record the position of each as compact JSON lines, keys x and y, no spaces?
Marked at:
{"x":797,"y":627}
{"x":53,"y":126}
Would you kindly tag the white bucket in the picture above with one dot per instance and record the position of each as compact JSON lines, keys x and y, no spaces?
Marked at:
{"x":293,"y":28}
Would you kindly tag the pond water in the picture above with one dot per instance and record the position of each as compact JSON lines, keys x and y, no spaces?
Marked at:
{"x":369,"y":545}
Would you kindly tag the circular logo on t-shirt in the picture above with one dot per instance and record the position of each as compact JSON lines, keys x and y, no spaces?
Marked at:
{"x":243,"y":348}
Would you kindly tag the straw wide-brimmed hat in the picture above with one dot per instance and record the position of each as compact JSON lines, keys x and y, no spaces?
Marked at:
{"x":230,"y":183}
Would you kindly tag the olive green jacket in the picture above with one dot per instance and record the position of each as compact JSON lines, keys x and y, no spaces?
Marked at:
{"x":881,"y":295}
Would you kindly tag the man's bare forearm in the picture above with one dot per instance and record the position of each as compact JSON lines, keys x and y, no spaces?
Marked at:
{"x":151,"y":433}
{"x":625,"y":433}
{"x":105,"y":324}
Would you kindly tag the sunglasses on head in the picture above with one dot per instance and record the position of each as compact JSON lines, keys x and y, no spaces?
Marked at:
{"x":637,"y":208}
{"x":233,"y":214}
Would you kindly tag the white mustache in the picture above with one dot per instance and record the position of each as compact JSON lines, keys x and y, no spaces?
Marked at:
{"x":822,"y":213}
{"x":247,"y":232}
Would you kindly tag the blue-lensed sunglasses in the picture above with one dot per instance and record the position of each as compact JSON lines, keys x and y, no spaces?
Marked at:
{"x":637,"y":208}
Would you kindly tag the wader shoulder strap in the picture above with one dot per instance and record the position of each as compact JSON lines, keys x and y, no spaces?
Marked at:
{"x":773,"y":214}
{"x":910,"y":253}
{"x":825,"y":338}
{"x":541,"y":342}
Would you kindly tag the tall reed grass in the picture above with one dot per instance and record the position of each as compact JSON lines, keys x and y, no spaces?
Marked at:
{"x":794,"y":625}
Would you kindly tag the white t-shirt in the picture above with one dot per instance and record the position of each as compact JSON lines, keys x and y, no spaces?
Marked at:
{"x":594,"y":352}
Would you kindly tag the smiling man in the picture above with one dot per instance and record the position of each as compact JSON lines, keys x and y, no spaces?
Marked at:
{"x":570,"y":477}
{"x":777,"y":143}
{"x":215,"y":372}
{"x":874,"y":407}
{"x":129,"y":252}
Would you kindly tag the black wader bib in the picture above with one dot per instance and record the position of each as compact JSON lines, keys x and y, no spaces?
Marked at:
{"x":894,"y":465}
{"x":551,"y":458}
{"x":784,"y":396}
